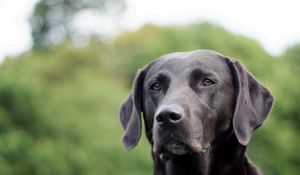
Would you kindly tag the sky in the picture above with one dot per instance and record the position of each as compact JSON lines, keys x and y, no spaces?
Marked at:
{"x":275,"y":24}
{"x":15,"y":36}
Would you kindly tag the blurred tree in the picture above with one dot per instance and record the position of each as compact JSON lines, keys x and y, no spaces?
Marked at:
{"x":137,"y":48}
{"x":292,"y":57}
{"x":292,"y":54}
{"x":51,"y":22}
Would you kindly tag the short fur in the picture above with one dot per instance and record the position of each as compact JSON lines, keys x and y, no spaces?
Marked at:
{"x":203,"y":104}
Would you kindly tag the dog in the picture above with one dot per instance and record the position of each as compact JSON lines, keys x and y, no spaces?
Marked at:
{"x":200,"y":110}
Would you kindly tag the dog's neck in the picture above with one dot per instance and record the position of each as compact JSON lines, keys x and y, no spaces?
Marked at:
{"x":227,"y":158}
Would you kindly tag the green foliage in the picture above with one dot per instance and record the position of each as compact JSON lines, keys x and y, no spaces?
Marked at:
{"x":58,"y":114}
{"x":137,"y":48}
{"x":59,"y":108}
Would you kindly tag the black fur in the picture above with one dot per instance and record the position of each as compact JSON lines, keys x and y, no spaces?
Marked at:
{"x":200,"y":110}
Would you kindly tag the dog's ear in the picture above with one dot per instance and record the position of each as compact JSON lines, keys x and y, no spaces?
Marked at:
{"x":130,"y":112}
{"x":253,"y":103}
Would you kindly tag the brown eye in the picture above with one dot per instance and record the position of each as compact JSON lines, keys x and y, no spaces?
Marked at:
{"x":207,"y":82}
{"x":155,"y":87}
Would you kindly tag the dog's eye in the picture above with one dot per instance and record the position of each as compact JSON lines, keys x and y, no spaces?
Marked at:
{"x":155,"y":87}
{"x":207,"y":82}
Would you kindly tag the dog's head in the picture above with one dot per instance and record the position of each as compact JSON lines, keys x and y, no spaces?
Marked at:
{"x":190,"y":99}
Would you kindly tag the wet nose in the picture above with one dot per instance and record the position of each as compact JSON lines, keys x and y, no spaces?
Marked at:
{"x":171,"y":114}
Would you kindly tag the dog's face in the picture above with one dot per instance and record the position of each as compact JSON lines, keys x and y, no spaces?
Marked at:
{"x":189,"y":99}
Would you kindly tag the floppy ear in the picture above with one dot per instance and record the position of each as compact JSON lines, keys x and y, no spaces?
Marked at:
{"x":130,"y":112}
{"x":253,"y":104}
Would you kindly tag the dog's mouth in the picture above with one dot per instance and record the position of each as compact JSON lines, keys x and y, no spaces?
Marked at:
{"x":171,"y":149}
{"x":174,"y":147}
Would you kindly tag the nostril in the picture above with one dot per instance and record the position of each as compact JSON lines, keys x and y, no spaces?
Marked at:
{"x":174,"y":117}
{"x":159,"y":118}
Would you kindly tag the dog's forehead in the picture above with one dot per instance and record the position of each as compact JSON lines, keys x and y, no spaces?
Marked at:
{"x":185,"y":61}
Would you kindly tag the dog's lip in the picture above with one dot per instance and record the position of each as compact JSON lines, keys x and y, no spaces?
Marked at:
{"x":169,"y":145}
{"x":172,"y":146}
{"x":180,"y":147}
{"x":176,"y":147}
{"x":199,"y":148}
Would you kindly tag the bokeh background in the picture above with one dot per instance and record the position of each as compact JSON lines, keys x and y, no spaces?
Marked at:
{"x":59,"y":96}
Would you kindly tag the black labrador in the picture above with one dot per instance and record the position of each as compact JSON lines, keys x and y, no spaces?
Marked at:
{"x":200,"y":109}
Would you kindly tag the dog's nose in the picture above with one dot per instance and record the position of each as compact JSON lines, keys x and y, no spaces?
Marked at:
{"x":169,"y":114}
